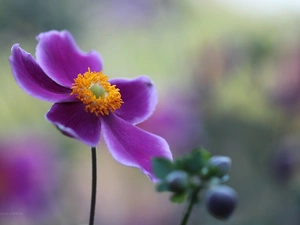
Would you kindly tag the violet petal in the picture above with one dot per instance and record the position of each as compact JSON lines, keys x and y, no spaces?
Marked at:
{"x":32,"y":79}
{"x":132,"y":146}
{"x":72,"y":120}
{"x":139,"y":96}
{"x":60,"y":57}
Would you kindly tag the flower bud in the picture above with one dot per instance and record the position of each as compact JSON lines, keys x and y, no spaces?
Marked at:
{"x":221,"y":163}
{"x":221,"y":201}
{"x":177,"y":181}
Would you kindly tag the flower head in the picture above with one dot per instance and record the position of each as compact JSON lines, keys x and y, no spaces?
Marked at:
{"x":86,"y":103}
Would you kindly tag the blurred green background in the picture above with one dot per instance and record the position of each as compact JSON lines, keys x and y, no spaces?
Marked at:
{"x":228,"y":79}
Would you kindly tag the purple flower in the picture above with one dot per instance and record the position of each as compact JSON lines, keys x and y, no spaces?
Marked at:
{"x":86,"y":103}
{"x":29,"y":175}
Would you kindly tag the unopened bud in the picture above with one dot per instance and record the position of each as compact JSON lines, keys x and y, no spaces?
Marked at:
{"x":221,"y":163}
{"x":177,"y":181}
{"x":221,"y":201}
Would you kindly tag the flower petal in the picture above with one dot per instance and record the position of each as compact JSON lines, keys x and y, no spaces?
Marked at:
{"x":131,"y":145}
{"x":139,"y":96}
{"x":32,"y":79}
{"x":72,"y":120}
{"x":60,"y":57}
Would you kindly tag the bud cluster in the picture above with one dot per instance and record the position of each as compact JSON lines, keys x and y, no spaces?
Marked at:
{"x":198,"y":172}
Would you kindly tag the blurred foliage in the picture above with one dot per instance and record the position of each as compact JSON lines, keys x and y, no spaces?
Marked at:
{"x":29,"y":17}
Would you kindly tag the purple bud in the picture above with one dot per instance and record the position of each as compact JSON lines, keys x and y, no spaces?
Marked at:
{"x":177,"y":181}
{"x":221,"y":201}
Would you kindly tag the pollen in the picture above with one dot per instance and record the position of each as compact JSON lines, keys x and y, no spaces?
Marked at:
{"x":96,"y":93}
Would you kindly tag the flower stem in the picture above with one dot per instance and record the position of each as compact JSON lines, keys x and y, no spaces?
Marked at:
{"x":94,"y":186}
{"x":189,"y":207}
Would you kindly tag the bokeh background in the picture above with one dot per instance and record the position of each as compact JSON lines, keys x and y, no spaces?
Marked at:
{"x":228,"y":79}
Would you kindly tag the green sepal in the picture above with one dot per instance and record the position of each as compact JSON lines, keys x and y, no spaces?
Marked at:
{"x":178,"y":197}
{"x":162,"y":167}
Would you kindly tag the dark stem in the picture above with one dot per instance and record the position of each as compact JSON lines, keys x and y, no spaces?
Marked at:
{"x":189,"y":207}
{"x":94,"y":185}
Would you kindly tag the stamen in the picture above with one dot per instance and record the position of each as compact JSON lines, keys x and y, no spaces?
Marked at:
{"x":95,"y":91}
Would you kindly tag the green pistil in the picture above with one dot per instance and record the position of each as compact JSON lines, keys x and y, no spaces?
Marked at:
{"x":97,"y":90}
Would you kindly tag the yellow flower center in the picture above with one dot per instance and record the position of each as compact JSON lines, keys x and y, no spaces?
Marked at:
{"x":94,"y":90}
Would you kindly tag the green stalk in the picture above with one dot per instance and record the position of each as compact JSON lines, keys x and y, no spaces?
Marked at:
{"x":189,"y":206}
{"x":94,"y":186}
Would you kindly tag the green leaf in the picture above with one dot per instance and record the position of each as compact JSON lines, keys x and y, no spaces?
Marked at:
{"x":178,"y":197}
{"x":206,"y":155}
{"x":180,"y":163}
{"x":194,"y":161}
{"x":162,"y":186}
{"x":162,"y":167}
{"x":208,"y":172}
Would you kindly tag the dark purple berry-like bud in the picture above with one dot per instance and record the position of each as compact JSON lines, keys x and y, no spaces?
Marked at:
{"x":221,"y":201}
{"x":177,"y":181}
